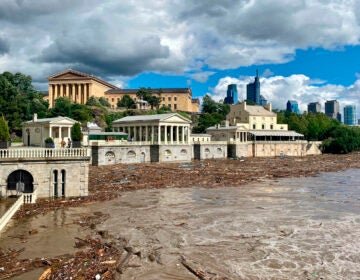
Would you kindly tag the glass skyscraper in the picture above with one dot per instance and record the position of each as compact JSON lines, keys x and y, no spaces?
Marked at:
{"x":231,"y":95}
{"x":292,"y":106}
{"x":253,"y":90}
{"x":332,"y":109}
{"x":350,"y":115}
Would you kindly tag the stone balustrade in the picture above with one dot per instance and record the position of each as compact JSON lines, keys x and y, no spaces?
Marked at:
{"x":44,"y":153}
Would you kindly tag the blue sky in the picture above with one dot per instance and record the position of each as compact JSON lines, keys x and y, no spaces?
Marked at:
{"x":305,"y":50}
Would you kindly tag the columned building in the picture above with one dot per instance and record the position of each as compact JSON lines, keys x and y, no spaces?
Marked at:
{"x":156,"y":129}
{"x":77,"y":86}
{"x":35,"y":132}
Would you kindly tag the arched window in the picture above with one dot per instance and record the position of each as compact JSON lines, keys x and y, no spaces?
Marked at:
{"x":167,"y":152}
{"x":183,"y":152}
{"x":55,"y":183}
{"x":131,"y":154}
{"x":207,"y":151}
{"x":219,"y":150}
{"x":63,"y":180}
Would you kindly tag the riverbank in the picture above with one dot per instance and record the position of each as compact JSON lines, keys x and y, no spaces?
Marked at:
{"x":108,"y":182}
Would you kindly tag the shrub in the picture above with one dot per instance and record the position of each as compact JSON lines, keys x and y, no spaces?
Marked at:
{"x":4,"y":130}
{"x":76,"y":134}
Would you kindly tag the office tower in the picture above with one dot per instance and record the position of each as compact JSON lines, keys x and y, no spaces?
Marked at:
{"x":332,"y":109}
{"x":253,"y":90}
{"x":314,"y":107}
{"x":292,"y":106}
{"x":350,"y":115}
{"x":231,"y":95}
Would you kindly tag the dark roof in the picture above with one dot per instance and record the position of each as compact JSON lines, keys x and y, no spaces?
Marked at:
{"x":153,"y":90}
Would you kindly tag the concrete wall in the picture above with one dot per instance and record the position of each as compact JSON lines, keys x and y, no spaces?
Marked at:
{"x":238,"y":150}
{"x":172,"y":153}
{"x":108,"y":155}
{"x":276,"y":148}
{"x":76,"y":175}
{"x":210,"y":150}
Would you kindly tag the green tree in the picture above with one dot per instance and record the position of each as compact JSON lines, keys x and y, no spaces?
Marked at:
{"x":126,"y":102}
{"x":92,"y":101}
{"x":104,"y":102}
{"x":4,"y":130}
{"x":76,"y":134}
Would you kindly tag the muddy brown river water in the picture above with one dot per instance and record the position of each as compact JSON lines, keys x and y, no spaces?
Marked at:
{"x":302,"y":228}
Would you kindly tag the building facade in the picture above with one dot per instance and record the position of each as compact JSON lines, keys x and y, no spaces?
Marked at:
{"x":178,"y":99}
{"x":253,"y":90}
{"x":292,"y":106}
{"x":332,"y":109}
{"x":314,"y":107}
{"x":350,"y":115}
{"x":231,"y":95}
{"x":79,"y":87}
{"x":35,"y":132}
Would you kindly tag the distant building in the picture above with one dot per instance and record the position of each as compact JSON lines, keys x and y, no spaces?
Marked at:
{"x":79,"y":87}
{"x":292,"y":106}
{"x":253,"y":90}
{"x":332,"y":109}
{"x":231,"y":95}
{"x":350,"y":115}
{"x":314,"y":107}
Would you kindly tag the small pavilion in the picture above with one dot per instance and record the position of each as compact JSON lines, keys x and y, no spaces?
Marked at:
{"x":157,"y":129}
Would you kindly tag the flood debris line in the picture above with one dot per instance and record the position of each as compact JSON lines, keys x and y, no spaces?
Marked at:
{"x":196,"y":269}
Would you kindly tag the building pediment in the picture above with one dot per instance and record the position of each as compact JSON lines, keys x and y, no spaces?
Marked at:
{"x":68,"y":74}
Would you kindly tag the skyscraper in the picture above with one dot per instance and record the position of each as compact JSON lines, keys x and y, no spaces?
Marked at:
{"x":292,"y":106}
{"x":231,"y":95}
{"x":350,"y":115}
{"x":253,"y":90}
{"x":314,"y":107}
{"x":332,"y":109}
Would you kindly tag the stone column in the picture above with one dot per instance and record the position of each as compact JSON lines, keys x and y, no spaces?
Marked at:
{"x":172,"y":134}
{"x":183,"y":134}
{"x":69,"y":132}
{"x":177,"y":135}
{"x":60,"y":133}
{"x":152,"y":135}
{"x":140,"y":132}
{"x":159,"y":134}
{"x":135,"y":136}
{"x":147,"y":133}
{"x":165,"y":132}
{"x":50,"y":132}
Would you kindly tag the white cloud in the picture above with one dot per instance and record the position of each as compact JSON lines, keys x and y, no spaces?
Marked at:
{"x":278,"y":90}
{"x":125,"y":38}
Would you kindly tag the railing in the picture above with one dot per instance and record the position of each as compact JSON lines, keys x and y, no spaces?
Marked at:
{"x":44,"y":153}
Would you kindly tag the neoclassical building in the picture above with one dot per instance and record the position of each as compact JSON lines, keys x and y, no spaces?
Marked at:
{"x":157,"y":129}
{"x":35,"y":132}
{"x":79,"y":87}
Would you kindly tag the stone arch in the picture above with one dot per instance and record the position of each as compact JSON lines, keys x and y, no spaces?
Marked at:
{"x":21,"y":181}
{"x":207,"y":151}
{"x":219,"y":150}
{"x":131,"y":154}
{"x":110,"y":157}
{"x":183,"y":152}
{"x":167,"y":152}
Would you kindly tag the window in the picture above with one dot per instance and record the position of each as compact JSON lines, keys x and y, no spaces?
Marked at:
{"x":169,"y":98}
{"x":163,"y":98}
{"x":263,"y":126}
{"x":271,"y":126}
{"x":175,"y":98}
{"x":254,"y":126}
{"x":175,"y":106}
{"x":55,"y":182}
{"x":118,"y":99}
{"x":63,"y":178}
{"x":112,"y":99}
{"x":169,"y":105}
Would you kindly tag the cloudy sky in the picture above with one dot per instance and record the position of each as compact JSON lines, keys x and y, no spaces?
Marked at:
{"x":305,"y":50}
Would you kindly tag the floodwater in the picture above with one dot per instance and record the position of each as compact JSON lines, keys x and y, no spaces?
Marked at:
{"x":302,"y":228}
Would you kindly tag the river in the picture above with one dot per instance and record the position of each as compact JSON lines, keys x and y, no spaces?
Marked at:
{"x":294,"y":228}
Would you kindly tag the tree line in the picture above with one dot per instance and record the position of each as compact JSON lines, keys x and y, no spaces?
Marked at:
{"x":19,"y":101}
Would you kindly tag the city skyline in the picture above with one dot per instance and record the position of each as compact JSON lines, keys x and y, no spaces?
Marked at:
{"x":191,"y":44}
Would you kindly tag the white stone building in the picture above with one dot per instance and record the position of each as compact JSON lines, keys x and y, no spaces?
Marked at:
{"x":35,"y":132}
